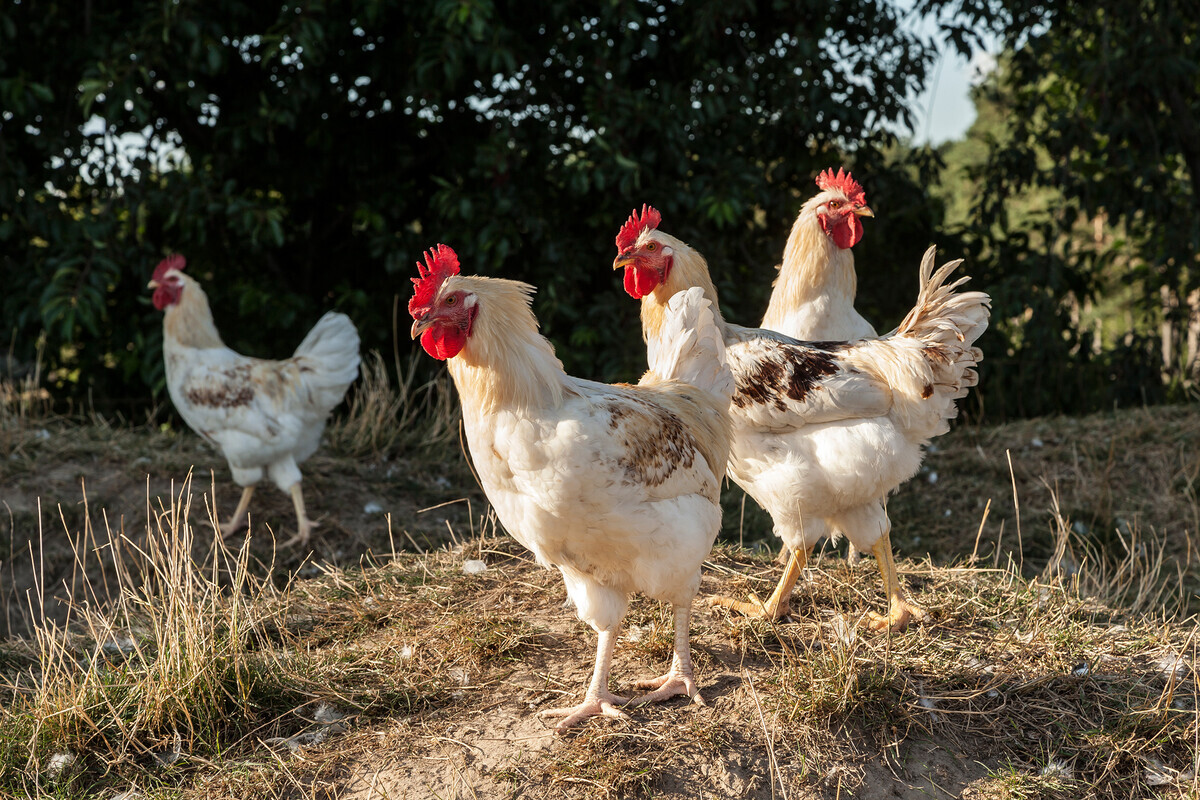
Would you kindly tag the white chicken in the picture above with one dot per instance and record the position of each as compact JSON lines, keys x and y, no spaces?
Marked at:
{"x":615,"y":485}
{"x":813,"y":298}
{"x":266,"y":417}
{"x":822,"y":430}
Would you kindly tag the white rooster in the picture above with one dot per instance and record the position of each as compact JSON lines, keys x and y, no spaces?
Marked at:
{"x":617,"y":486}
{"x":266,"y":417}
{"x":812,"y":300}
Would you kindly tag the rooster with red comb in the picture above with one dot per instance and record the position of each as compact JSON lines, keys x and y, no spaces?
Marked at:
{"x":618,"y":487}
{"x":813,"y":297}
{"x":823,"y":429}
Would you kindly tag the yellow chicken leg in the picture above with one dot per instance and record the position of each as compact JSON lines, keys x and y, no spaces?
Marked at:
{"x":238,"y":521}
{"x":778,"y":605}
{"x":900,"y":611}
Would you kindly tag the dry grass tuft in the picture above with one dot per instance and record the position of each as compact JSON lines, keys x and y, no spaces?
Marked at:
{"x":23,"y":399}
{"x":159,"y":671}
{"x":1123,"y":480}
{"x":383,"y":420}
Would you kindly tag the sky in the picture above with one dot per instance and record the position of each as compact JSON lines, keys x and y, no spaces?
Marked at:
{"x":945,"y":110}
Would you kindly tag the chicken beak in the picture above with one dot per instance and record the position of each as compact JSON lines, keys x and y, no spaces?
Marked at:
{"x":864,"y":211}
{"x":419,"y":326}
{"x":152,"y":285}
{"x":622,"y":261}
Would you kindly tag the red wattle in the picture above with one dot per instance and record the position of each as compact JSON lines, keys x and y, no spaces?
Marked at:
{"x":847,"y":231}
{"x":640,"y":282}
{"x":165,"y":295}
{"x":443,"y":342}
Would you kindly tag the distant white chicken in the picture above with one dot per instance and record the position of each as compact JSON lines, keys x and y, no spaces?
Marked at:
{"x":266,"y":417}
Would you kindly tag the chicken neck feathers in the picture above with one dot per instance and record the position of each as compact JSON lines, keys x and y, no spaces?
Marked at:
{"x":813,"y":296}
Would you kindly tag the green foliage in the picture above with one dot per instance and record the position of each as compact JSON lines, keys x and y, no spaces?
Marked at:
{"x":1085,"y":220}
{"x":303,"y":155}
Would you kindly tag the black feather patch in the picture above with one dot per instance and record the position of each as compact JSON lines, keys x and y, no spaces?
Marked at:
{"x":783,"y":371}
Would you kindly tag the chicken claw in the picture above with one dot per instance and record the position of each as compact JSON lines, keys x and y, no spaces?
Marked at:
{"x":669,"y":685}
{"x":900,"y":610}
{"x":778,"y":605}
{"x":754,"y":607}
{"x":238,"y":520}
{"x":900,"y":613}
{"x":602,"y":704}
{"x":304,"y":526}
{"x":598,"y":700}
{"x":680,"y":679}
{"x":303,"y":533}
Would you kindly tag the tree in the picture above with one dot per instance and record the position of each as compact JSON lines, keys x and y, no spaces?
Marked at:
{"x":1100,"y":104}
{"x":313,"y":150}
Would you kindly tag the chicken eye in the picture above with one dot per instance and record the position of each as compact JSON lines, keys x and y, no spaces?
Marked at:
{"x":451,"y":300}
{"x":650,"y":247}
{"x":835,"y":205}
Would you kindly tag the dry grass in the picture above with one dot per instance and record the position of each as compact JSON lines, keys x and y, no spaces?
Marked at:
{"x":385,"y":420}
{"x":202,"y":680}
{"x":1108,"y":474}
{"x":23,"y":399}
{"x":1062,"y":668}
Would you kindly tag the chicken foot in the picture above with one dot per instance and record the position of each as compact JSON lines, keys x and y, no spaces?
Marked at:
{"x":778,"y":605}
{"x":304,"y":525}
{"x":598,"y":700}
{"x":680,"y":678}
{"x":900,"y":610}
{"x":238,"y":521}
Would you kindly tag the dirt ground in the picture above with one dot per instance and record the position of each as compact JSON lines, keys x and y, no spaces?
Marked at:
{"x":68,"y":489}
{"x":808,"y":709}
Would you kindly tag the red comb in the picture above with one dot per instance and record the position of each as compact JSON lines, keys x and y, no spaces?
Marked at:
{"x":440,"y":263}
{"x":634,"y":226}
{"x":170,"y":262}
{"x":842,"y":180}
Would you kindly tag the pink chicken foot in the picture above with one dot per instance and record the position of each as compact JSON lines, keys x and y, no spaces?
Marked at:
{"x":680,"y":678}
{"x":598,"y":700}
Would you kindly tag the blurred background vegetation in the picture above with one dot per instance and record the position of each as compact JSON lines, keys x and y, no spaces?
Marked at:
{"x":303,"y":154}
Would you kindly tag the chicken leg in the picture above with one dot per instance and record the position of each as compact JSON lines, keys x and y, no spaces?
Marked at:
{"x":680,"y":679}
{"x":778,"y":605}
{"x":304,"y":525}
{"x":900,"y":611}
{"x":598,"y":700}
{"x":238,"y":521}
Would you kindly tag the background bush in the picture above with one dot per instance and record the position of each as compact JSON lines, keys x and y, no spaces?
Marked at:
{"x":303,"y":155}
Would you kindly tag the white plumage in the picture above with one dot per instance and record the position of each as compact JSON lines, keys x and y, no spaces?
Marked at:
{"x":266,"y":417}
{"x":822,"y":430}
{"x":813,"y":298}
{"x":616,"y":486}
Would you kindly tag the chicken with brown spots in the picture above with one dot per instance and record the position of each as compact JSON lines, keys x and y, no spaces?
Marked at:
{"x":823,"y":430}
{"x":616,"y":486}
{"x":266,"y":417}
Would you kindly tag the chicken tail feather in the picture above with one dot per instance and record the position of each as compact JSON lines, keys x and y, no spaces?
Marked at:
{"x":930,"y":359}
{"x":942,"y":315}
{"x":330,"y":350}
